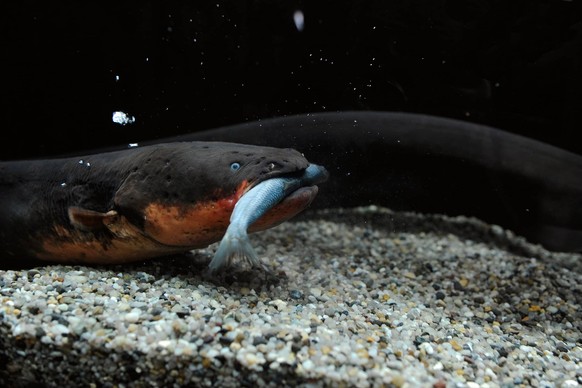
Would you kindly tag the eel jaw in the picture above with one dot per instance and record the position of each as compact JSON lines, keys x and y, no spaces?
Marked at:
{"x":206,"y":222}
{"x":289,"y":207}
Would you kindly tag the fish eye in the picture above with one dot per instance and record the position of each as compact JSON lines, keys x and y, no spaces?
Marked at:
{"x":235,"y":166}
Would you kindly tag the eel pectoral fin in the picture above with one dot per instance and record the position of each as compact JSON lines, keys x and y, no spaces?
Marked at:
{"x":99,"y":237}
{"x":91,"y":220}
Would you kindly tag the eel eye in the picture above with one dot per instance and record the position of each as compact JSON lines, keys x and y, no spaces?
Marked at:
{"x":235,"y":166}
{"x":271,"y":166}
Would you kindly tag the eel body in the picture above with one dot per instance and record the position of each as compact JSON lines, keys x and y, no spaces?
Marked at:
{"x":146,"y":201}
{"x":138,"y":203}
{"x":423,"y":163}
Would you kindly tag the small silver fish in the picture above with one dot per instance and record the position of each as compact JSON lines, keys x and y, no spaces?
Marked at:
{"x":252,"y":206}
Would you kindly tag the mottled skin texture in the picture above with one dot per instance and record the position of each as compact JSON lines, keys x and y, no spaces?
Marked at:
{"x":136,"y":203}
{"x":401,"y":160}
{"x":429,"y":164}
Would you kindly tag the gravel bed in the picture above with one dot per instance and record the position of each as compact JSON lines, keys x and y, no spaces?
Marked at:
{"x":364,"y":297}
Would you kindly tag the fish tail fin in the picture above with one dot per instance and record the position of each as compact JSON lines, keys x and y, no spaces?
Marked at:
{"x":234,"y":246}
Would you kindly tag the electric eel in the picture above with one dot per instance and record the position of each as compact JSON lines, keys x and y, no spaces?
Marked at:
{"x":143,"y":202}
{"x":150,"y":201}
{"x":429,"y":164}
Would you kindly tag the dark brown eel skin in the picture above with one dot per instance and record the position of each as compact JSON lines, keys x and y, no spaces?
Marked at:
{"x":403,"y":161}
{"x":138,"y":203}
{"x":423,"y":163}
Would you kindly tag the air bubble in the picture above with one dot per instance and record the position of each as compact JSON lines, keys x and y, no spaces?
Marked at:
{"x":299,"y":20}
{"x":122,"y":118}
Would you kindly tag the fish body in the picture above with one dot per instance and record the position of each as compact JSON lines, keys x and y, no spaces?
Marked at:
{"x":255,"y":204}
{"x":137,"y":203}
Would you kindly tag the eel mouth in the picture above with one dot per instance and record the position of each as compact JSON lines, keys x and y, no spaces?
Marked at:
{"x":311,"y":175}
{"x":296,"y":201}
{"x":290,"y":206}
{"x":206,"y":222}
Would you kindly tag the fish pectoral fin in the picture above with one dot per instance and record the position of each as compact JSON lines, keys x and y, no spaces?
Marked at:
{"x":91,"y":220}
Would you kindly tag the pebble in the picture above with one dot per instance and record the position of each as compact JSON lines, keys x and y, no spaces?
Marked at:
{"x":369,"y":297}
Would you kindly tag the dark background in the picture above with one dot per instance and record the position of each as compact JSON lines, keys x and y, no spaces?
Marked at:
{"x":193,"y":65}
